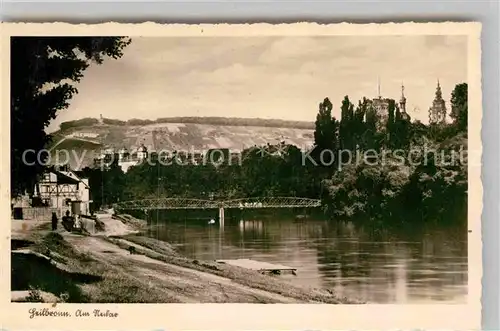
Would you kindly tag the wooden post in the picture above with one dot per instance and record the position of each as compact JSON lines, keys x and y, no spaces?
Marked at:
{"x":221,"y":216}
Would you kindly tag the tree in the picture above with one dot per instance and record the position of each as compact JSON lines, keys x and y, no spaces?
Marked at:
{"x":416,"y":132}
{"x":107,"y":186}
{"x":400,"y":132}
{"x":43,"y":70}
{"x":346,"y":129}
{"x":459,"y":106}
{"x":325,"y":135}
{"x":358,"y":123}
{"x":390,"y":123}
{"x":368,"y":138}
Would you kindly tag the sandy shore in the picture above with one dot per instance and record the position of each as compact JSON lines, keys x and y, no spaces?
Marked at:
{"x":103,"y":268}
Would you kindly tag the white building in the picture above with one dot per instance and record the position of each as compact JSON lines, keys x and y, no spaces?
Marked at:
{"x":64,"y":190}
{"x":127,"y":159}
{"x":84,"y":135}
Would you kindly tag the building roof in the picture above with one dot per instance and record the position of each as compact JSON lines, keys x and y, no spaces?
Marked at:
{"x":66,"y":176}
{"x":63,"y":178}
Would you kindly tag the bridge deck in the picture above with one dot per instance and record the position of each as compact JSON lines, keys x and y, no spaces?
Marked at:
{"x":243,"y":203}
{"x":258,"y":265}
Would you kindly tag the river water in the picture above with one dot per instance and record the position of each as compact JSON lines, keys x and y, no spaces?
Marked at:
{"x":373,"y":263}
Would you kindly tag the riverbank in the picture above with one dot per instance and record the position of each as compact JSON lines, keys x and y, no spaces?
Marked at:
{"x":118,"y":265}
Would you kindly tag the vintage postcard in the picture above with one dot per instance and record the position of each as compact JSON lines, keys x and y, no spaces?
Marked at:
{"x":258,"y":176}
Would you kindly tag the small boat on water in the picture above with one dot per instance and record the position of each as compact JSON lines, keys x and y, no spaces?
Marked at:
{"x":212,"y":221}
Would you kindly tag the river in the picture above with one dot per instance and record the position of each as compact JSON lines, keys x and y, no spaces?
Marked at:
{"x":373,"y":263}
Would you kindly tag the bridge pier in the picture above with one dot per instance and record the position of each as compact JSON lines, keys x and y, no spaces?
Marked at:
{"x":221,"y":216}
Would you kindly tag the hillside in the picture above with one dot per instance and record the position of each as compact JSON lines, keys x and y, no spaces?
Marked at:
{"x":86,"y":139}
{"x":231,"y":121}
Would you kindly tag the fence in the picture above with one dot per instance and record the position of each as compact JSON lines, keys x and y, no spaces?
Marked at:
{"x":39,"y":213}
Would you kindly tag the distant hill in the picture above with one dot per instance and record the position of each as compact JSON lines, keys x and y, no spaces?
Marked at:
{"x":85,"y":138}
{"x":88,"y":121}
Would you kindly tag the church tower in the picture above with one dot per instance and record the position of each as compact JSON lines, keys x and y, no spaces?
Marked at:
{"x":402,"y":101}
{"x":402,"y":105}
{"x":437,"y":113}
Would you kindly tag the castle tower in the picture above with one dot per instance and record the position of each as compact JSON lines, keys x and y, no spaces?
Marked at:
{"x":402,"y":101}
{"x":437,"y":112}
{"x":381,"y":107}
{"x":402,"y":105}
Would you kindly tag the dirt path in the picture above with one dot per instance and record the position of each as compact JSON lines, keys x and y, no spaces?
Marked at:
{"x":182,"y":284}
{"x":100,"y":268}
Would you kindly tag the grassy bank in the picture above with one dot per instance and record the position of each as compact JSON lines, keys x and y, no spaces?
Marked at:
{"x":76,"y":277}
{"x":104,"y":269}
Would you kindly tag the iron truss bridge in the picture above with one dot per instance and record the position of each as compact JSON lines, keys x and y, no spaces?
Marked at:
{"x":244,"y":203}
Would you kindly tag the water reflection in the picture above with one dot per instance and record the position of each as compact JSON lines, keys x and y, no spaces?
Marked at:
{"x":251,"y":226}
{"x":371,"y":263}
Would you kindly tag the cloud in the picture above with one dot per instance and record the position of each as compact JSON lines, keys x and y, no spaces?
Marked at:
{"x":291,"y":48}
{"x":265,"y":76}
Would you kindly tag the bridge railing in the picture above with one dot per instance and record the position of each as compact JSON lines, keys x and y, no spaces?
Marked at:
{"x":167,"y":203}
{"x":272,"y":202}
{"x":242,"y":203}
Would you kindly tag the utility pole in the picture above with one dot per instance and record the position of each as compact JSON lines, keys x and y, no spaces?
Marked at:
{"x":158,"y":191}
{"x":102,"y":187}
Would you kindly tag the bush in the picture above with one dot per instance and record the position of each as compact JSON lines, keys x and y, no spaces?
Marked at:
{"x":34,"y":295}
{"x":78,"y":123}
{"x":109,"y":121}
{"x":394,"y":189}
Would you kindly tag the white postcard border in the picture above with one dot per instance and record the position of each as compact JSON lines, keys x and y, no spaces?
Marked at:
{"x":254,"y":316}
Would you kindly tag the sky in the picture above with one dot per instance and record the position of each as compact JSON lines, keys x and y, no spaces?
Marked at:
{"x":266,"y":77}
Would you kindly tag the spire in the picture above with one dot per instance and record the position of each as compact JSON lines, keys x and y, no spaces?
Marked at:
{"x":439,"y":93}
{"x":437,"y":112}
{"x":402,"y":101}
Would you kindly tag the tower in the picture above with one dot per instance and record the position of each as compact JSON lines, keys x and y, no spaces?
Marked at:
{"x":437,"y":112}
{"x":402,"y":101}
{"x":381,"y":108}
{"x":402,"y":104}
{"x":101,"y":120}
